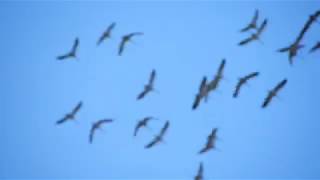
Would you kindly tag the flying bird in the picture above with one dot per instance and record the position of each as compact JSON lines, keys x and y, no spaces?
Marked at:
{"x":253,"y":23}
{"x":292,"y":51}
{"x":148,"y":87}
{"x":199,"y":175}
{"x":125,"y":40}
{"x":72,"y":53}
{"x":211,"y":140}
{"x":159,"y":138}
{"x":213,"y":85}
{"x":255,"y":36}
{"x":315,"y":47}
{"x":142,"y":123}
{"x":106,"y":34}
{"x":242,"y":81}
{"x":97,"y":125}
{"x":296,"y":45}
{"x":203,"y":91}
{"x":273,"y":93}
{"x":70,"y":116}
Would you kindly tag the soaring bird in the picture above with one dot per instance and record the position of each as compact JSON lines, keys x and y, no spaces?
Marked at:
{"x":142,"y":123}
{"x":106,"y":34}
{"x":199,"y":175}
{"x":242,"y":81}
{"x":203,"y":91}
{"x":211,"y":140}
{"x":273,"y":93}
{"x":97,"y":125}
{"x":315,"y":47}
{"x":125,"y":40}
{"x":148,"y":87}
{"x":72,"y":53}
{"x":253,"y":23}
{"x":255,"y":36}
{"x":292,"y":51}
{"x":158,"y":138}
{"x":213,"y":85}
{"x":70,"y":116}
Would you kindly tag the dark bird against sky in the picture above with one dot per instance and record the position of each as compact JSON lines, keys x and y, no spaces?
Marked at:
{"x":211,"y":141}
{"x":97,"y":125}
{"x":158,"y":138}
{"x":253,"y":23}
{"x":148,"y":87}
{"x":203,"y":91}
{"x":106,"y":34}
{"x":72,"y":53}
{"x":273,"y":93}
{"x":70,"y":116}
{"x":242,"y":81}
{"x":125,"y":39}
{"x":255,"y":36}
{"x":142,"y":123}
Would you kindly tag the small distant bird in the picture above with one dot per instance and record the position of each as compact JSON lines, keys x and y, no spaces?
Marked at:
{"x":142,"y":123}
{"x":211,"y":140}
{"x":255,"y":36}
{"x":199,"y":176}
{"x":158,"y":138}
{"x":273,"y":93}
{"x":106,"y":34}
{"x":125,"y":40}
{"x":203,"y":91}
{"x":253,"y":23}
{"x":315,"y":47}
{"x":292,"y":51}
{"x":72,"y":53}
{"x":242,"y":81}
{"x":70,"y":116}
{"x":97,"y":125}
{"x":148,"y":87}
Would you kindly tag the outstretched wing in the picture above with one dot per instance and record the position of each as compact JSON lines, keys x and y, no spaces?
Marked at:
{"x":164,"y":129}
{"x":286,"y":49}
{"x":267,"y":100}
{"x":253,"y":23}
{"x":121,"y":46}
{"x":221,"y":68}
{"x":315,"y":47}
{"x":237,"y":89}
{"x":155,"y":141}
{"x":196,"y":102}
{"x":152,"y":77}
{"x":204,"y":150}
{"x":63,"y":120}
{"x":107,"y":33}
{"x":75,"y":46}
{"x":136,"y":129}
{"x":91,"y":134}
{"x":77,"y":108}
{"x":245,"y":41}
{"x":63,"y":57}
{"x":280,"y":85}
{"x":262,"y":27}
{"x":142,"y":94}
{"x":134,"y":34}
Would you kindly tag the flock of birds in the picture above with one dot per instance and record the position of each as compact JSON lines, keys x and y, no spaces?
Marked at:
{"x":205,"y":86}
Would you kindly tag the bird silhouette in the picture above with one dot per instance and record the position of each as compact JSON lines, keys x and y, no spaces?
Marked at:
{"x":142,"y":123}
{"x":255,"y":36}
{"x":214,"y":84}
{"x":97,"y":125}
{"x":315,"y":47}
{"x":106,"y":34}
{"x":72,"y":53}
{"x":158,"y":138}
{"x":242,"y":81}
{"x":292,"y":51}
{"x":211,"y":140}
{"x":199,"y":175}
{"x":148,"y":87}
{"x":70,"y":116}
{"x":203,"y":91}
{"x":273,"y":93}
{"x":125,"y":39}
{"x":253,"y":23}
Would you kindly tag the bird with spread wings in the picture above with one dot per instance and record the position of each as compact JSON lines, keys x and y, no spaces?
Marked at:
{"x":148,"y":87}
{"x":70,"y":116}
{"x":125,"y":39}
{"x":142,"y":123}
{"x":273,"y":93}
{"x":211,"y":140}
{"x":242,"y":81}
{"x":253,"y":23}
{"x":97,"y":125}
{"x":199,"y":175}
{"x":158,"y":138}
{"x":255,"y":36}
{"x":72,"y":53}
{"x":106,"y":34}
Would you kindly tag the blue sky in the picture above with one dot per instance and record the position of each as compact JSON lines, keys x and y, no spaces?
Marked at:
{"x":183,"y":41}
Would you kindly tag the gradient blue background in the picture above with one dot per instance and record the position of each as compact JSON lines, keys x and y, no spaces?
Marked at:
{"x":183,"y":41}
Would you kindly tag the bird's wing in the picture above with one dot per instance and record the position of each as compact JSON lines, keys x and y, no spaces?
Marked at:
{"x":251,"y":75}
{"x":280,"y":85}
{"x":63,"y":57}
{"x":262,"y":27}
{"x":75,"y":46}
{"x":315,"y":47}
{"x":284,"y":49}
{"x":204,"y":150}
{"x":267,"y":100}
{"x":142,"y":94}
{"x":255,"y":17}
{"x":121,"y":46}
{"x":247,"y":28}
{"x":104,"y":121}
{"x":196,"y":102}
{"x":91,"y":134}
{"x":221,"y":68}
{"x":62,"y":121}
{"x":152,"y":77}
{"x":136,"y":129}
{"x":77,"y":108}
{"x":200,"y":171}
{"x":245,"y":41}
{"x":152,"y":143}
{"x":135,"y":34}
{"x":237,"y":89}
{"x":164,"y":129}
{"x":106,"y":33}
{"x":203,"y":84}
{"x":111,"y":27}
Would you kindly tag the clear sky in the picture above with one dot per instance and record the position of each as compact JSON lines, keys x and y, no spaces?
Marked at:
{"x":183,"y":41}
